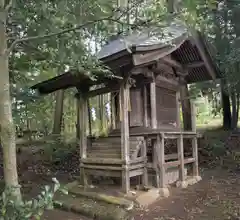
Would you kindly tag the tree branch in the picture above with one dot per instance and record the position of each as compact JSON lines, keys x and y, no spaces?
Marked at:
{"x":9,"y":5}
{"x":64,"y":31}
{"x":52,"y":34}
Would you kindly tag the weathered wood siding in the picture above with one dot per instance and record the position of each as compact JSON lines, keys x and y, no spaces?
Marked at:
{"x":136,"y":114}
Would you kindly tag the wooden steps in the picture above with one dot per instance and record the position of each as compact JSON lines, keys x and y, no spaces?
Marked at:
{"x":111,"y":147}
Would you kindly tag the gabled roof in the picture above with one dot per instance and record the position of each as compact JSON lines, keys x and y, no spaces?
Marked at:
{"x":148,"y":39}
{"x":188,"y":49}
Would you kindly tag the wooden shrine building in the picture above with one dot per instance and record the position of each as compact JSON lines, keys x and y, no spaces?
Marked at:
{"x":148,"y":72}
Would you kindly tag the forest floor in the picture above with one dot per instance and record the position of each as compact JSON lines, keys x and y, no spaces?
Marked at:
{"x":217,"y":196}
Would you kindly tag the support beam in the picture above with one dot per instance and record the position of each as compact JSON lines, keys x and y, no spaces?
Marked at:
{"x":195,"y":65}
{"x":171,"y":62}
{"x":153,"y":103}
{"x":124,"y":93}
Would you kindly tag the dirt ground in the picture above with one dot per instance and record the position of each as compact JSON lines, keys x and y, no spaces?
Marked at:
{"x":217,"y":196}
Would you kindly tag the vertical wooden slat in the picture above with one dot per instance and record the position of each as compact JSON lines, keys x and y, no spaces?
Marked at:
{"x":181,"y":158}
{"x":153,"y":104}
{"x":145,"y":106}
{"x":125,"y":137}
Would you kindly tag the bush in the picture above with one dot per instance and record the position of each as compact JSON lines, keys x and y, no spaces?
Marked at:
{"x":58,"y":149}
{"x":12,"y":209}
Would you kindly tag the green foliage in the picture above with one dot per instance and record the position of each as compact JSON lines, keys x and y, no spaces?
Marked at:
{"x":11,"y":209}
{"x":57,"y":148}
{"x":215,"y":144}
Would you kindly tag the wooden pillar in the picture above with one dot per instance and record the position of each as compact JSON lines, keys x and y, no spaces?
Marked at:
{"x":124,"y":92}
{"x":156,"y":165}
{"x":186,"y":106}
{"x":145,"y":106}
{"x":89,"y":117}
{"x":113,"y":111}
{"x":178,"y":122}
{"x":161,"y":147}
{"x":193,"y":115}
{"x":83,"y":135}
{"x":194,"y":142}
{"x":145,"y":172}
{"x":153,"y":104}
{"x":181,"y":158}
{"x":78,"y":118}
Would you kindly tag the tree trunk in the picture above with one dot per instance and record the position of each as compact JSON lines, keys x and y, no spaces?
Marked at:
{"x":58,"y":112}
{"x":170,"y":4}
{"x":226,"y":107}
{"x":235,"y":109}
{"x":7,"y":132}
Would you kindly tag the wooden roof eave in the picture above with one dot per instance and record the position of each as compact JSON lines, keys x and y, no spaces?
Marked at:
{"x":144,"y":58}
{"x":204,"y":53}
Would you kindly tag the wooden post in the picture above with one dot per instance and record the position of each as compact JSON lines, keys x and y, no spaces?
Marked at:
{"x":160,"y":143}
{"x":178,"y":110}
{"x":83,"y":135}
{"x":181,"y":158}
{"x":89,"y":117}
{"x":194,"y":142}
{"x":145,"y":122}
{"x":153,"y":104}
{"x":125,"y":136}
{"x":145,"y":172}
{"x":156,"y":165}
{"x":78,"y":119}
{"x":194,"y":115}
{"x":113,"y":111}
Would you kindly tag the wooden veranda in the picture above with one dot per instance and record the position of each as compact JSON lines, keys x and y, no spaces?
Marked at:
{"x":149,"y":76}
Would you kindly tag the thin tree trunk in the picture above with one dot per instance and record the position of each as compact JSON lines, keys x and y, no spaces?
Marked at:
{"x":7,"y":132}
{"x":226,"y":107}
{"x":58,"y":112}
{"x":235,"y":109}
{"x":89,"y":118}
